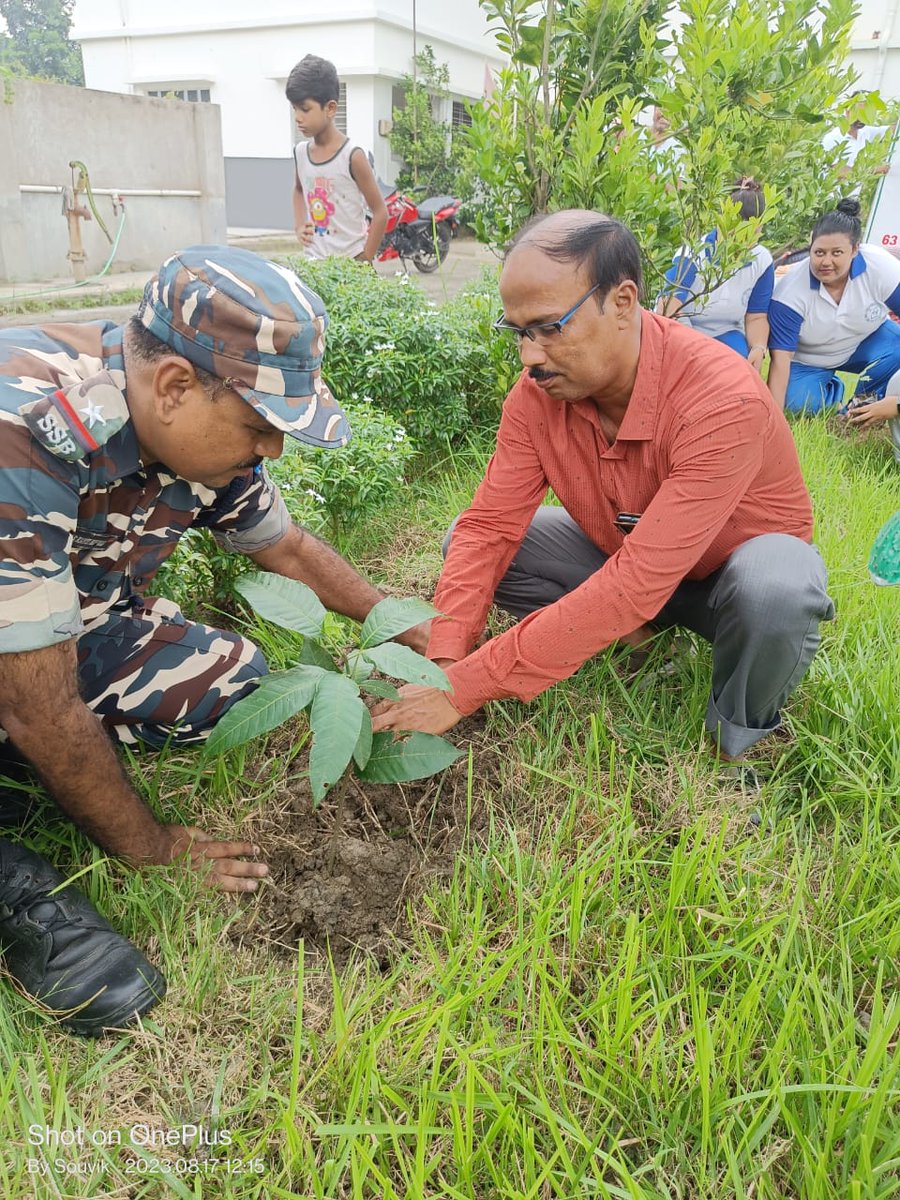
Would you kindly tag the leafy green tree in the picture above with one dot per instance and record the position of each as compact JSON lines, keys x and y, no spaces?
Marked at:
{"x":427,"y":146}
{"x":748,"y":88}
{"x":752,"y":90}
{"x":566,"y":56}
{"x":38,"y":43}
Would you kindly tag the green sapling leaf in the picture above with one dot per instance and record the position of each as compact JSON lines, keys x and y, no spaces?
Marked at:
{"x":336,"y":721}
{"x":277,"y":698}
{"x":415,"y":757}
{"x":358,"y":667}
{"x":392,"y":616}
{"x":402,"y":663}
{"x":380,"y":688}
{"x":363,"y":748}
{"x":287,"y":602}
{"x":315,"y":655}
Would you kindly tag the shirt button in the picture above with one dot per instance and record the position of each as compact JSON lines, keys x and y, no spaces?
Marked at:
{"x":102,"y":586}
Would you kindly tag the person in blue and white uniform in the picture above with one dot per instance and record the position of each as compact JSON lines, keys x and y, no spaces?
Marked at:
{"x":833,"y":315}
{"x":736,"y":311}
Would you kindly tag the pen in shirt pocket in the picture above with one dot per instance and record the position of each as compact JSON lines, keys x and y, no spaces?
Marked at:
{"x":626,"y":521}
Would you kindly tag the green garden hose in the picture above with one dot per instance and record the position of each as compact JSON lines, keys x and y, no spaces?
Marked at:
{"x":84,"y":185}
{"x":69,"y":287}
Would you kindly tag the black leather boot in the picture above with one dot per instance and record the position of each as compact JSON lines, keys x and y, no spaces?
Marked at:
{"x":64,"y":954}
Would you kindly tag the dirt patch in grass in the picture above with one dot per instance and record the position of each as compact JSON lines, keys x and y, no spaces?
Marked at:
{"x":351,"y":891}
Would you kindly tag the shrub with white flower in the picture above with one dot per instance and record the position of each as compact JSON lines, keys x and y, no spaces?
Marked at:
{"x":434,"y":369}
{"x":331,"y":490}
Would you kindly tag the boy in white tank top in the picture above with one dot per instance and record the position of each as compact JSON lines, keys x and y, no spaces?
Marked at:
{"x":333,"y":182}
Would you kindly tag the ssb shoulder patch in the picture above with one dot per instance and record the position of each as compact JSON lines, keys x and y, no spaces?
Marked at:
{"x":56,"y":421}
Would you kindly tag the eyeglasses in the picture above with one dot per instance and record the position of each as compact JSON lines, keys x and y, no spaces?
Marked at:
{"x":546,"y":330}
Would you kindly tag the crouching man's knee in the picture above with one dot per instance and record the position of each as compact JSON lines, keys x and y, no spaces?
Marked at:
{"x":232,"y":669}
{"x":239,"y":681}
{"x":772,"y":586}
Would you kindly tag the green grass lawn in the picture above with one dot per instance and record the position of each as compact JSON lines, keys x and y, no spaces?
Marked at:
{"x":635,"y":981}
{"x":40,"y":302}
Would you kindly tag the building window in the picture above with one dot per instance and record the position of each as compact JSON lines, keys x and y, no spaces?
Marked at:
{"x":398,"y":100}
{"x":461,"y":115}
{"x":340,"y":117}
{"x":196,"y":95}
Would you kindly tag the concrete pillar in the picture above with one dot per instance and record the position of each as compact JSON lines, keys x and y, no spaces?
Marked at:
{"x":210,"y":173}
{"x":12,"y":231}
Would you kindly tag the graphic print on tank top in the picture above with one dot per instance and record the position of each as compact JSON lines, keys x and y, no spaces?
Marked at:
{"x":319,"y":203}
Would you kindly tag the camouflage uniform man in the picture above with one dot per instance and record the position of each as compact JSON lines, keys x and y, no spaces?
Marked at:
{"x":114,"y":441}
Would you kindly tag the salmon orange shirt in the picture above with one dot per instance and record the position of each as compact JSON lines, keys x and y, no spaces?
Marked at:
{"x":703,"y":454}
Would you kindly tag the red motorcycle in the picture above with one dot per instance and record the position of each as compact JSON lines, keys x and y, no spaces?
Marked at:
{"x":421,"y":232}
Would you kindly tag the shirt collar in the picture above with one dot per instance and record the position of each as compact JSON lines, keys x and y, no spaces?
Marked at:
{"x":858,"y":266}
{"x":639,"y":422}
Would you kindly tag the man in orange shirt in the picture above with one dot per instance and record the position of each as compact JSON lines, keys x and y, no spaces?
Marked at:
{"x":682,"y":501}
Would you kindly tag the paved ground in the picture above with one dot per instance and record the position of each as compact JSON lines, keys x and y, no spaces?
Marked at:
{"x":465,"y":262}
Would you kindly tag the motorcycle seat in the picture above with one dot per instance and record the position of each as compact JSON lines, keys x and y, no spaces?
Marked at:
{"x":432,"y":206}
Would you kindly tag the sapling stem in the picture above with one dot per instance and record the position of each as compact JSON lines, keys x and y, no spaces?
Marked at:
{"x":340,"y":795}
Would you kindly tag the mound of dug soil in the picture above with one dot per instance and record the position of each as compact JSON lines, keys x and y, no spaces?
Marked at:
{"x":349,"y":889}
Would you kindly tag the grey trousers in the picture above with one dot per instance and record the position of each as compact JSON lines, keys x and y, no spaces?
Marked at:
{"x":760,"y":610}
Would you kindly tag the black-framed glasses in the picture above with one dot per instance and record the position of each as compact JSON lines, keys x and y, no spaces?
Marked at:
{"x":546,"y":329}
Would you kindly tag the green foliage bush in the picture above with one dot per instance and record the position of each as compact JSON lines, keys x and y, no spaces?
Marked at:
{"x":199,"y":576}
{"x":331,"y":490}
{"x":434,"y":370}
{"x":331,"y":689}
{"x":35,"y":42}
{"x":493,"y":358}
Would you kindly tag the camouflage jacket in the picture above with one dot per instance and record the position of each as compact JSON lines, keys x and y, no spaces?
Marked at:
{"x":83,"y":525}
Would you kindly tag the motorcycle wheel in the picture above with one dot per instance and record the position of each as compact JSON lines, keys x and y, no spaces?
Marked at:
{"x":435,"y":248}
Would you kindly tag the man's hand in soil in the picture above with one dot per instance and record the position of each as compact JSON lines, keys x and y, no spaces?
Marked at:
{"x":50,"y":724}
{"x":222,"y":861}
{"x":419,"y":709}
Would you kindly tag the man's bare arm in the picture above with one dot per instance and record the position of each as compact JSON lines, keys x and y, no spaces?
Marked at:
{"x":339,"y":586}
{"x":303,"y":226}
{"x":50,"y":724}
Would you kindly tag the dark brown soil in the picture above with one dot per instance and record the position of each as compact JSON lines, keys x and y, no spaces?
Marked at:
{"x":351,"y":891}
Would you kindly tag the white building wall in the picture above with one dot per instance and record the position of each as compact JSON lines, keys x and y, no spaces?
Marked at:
{"x":876,"y":47}
{"x":244,"y":54}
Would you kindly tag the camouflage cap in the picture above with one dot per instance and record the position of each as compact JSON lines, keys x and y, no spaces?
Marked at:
{"x":254,"y":325}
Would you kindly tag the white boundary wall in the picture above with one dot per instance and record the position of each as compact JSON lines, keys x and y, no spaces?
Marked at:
{"x":128,"y":143}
